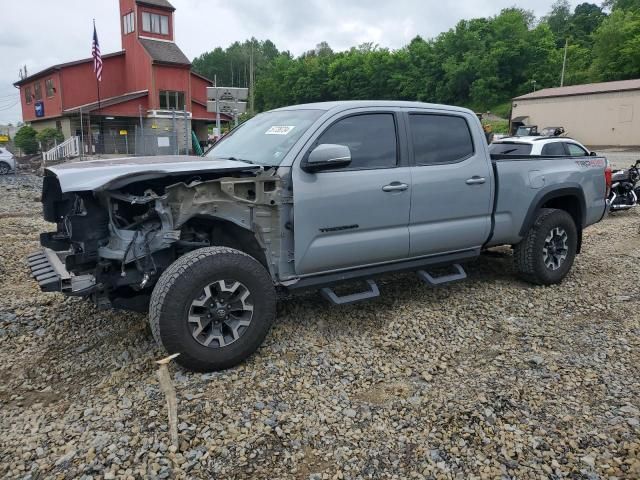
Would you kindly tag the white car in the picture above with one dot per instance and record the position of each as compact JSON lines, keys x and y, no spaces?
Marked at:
{"x":7,"y":161}
{"x":544,"y":146}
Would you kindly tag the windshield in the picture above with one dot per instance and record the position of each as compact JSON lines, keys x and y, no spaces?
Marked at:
{"x":510,"y":148}
{"x":266,"y":138}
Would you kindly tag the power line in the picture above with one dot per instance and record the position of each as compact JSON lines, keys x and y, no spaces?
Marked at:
{"x":5,"y":103}
{"x":9,"y":107}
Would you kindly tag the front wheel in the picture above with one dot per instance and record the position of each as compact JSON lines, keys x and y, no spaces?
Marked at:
{"x":5,"y":168}
{"x":547,"y":252}
{"x":214,"y":306}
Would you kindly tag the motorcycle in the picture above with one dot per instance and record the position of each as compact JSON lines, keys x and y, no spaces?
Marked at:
{"x":624,"y":188}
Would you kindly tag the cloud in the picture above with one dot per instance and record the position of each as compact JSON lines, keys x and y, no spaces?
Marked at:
{"x":37,"y":34}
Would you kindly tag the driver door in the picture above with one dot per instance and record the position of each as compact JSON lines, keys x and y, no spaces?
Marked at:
{"x":359,"y":214}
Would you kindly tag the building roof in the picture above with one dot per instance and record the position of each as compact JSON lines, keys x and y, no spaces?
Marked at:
{"x":108,"y":102}
{"x":164,"y":52}
{"x":59,"y":66}
{"x":196,"y":74}
{"x":586,"y":89}
{"x":156,"y":3}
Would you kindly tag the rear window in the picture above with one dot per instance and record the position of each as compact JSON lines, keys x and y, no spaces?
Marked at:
{"x":440,"y":138}
{"x":510,"y":148}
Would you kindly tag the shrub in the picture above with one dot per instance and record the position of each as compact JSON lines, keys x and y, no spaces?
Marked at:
{"x":25,"y":140}
{"x":48,"y":138}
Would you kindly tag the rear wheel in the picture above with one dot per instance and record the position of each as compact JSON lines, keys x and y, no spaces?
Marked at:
{"x":214,"y":306}
{"x":547,"y":252}
{"x":4,"y":168}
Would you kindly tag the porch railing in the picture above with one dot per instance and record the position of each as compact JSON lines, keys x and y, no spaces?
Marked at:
{"x":68,"y":149}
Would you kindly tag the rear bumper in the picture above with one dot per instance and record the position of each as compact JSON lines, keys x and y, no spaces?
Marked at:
{"x":48,"y":269}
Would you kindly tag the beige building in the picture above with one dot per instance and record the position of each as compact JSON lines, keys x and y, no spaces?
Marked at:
{"x":596,"y":114}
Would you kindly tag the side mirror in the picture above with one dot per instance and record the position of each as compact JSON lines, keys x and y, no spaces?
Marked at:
{"x":327,"y":157}
{"x":593,"y":154}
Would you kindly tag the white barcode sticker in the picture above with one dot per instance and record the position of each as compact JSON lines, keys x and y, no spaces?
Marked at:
{"x":279,"y":130}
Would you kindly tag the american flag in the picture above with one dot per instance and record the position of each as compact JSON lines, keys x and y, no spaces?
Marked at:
{"x":97,"y":57}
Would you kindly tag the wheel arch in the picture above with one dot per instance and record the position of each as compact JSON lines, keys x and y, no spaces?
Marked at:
{"x":225,"y":232}
{"x":567,"y":197}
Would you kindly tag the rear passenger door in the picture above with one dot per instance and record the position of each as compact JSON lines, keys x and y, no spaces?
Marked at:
{"x":452,"y":194}
{"x":356,"y":215}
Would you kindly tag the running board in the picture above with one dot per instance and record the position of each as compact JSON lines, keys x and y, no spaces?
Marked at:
{"x":460,"y":274}
{"x":331,"y":296}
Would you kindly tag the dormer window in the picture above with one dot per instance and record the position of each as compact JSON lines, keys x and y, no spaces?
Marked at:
{"x":155,"y":23}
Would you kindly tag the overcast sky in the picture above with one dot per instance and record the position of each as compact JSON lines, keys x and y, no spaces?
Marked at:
{"x":40,"y":33}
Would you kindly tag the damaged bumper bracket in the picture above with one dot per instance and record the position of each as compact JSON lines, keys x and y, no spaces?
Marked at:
{"x":49,"y":272}
{"x":52,"y":276}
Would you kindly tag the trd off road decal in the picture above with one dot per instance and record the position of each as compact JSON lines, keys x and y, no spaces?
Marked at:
{"x":591,"y":163}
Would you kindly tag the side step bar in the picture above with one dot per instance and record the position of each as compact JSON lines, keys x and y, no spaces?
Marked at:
{"x":331,"y":296}
{"x":459,"y":274}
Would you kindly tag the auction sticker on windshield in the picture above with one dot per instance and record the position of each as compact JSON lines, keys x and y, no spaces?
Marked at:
{"x":279,"y":130}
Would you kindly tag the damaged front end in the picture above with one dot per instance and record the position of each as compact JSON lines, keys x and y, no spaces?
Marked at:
{"x":113,"y":244}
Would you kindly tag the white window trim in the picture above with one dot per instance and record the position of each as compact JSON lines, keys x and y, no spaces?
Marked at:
{"x":155,"y":39}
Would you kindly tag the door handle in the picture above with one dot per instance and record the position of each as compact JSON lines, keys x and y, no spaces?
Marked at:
{"x":475,"y":180}
{"x":395,"y":187}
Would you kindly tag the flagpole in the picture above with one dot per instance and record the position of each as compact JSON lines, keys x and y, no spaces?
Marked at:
{"x":99,"y":99}
{"x":97,"y":80}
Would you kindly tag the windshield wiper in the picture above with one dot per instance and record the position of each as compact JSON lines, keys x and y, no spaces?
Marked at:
{"x":235,"y":159}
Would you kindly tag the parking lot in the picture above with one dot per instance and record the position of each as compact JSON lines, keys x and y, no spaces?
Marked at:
{"x":487,"y":378}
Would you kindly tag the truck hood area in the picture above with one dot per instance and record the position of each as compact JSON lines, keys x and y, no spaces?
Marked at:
{"x":96,"y":175}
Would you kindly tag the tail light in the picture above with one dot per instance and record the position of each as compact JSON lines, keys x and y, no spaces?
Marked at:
{"x":607,"y":179}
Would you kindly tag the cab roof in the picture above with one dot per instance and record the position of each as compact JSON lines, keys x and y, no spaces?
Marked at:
{"x":350,"y":104}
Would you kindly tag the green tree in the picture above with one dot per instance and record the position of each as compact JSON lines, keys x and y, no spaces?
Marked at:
{"x":25,"y":140}
{"x":617,"y":46}
{"x":559,"y":21}
{"x":49,"y":137}
{"x":622,"y":4}
{"x":586,"y":19}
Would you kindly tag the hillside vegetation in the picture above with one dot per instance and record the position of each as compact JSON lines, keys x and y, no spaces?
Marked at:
{"x":480,"y":63}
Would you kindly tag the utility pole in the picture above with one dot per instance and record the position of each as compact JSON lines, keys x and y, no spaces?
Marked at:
{"x":142,"y":139}
{"x":251,"y":78}
{"x":81,"y":136}
{"x":174,"y":127}
{"x":564,"y":62}
{"x":218,"y":127}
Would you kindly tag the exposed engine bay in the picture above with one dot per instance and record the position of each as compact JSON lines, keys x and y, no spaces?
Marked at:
{"x":115,"y":243}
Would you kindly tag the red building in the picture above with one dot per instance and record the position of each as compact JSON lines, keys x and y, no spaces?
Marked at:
{"x":149,"y":81}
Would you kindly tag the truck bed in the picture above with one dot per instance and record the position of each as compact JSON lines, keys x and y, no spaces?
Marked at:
{"x":537,"y":177}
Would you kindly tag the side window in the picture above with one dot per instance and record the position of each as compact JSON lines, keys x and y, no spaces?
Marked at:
{"x":576,"y":150}
{"x":371,"y":139}
{"x":440,"y":139}
{"x":37,"y":88}
{"x":553,"y":149}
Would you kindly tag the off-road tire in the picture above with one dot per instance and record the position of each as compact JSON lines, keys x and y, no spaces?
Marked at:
{"x":529,"y":256}
{"x":5,"y":168}
{"x":178,"y":286}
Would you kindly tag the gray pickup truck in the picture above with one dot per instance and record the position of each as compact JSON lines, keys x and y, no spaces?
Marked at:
{"x":305,"y":197}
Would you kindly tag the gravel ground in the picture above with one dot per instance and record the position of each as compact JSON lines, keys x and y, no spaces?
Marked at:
{"x":489,"y":378}
{"x":620,"y":157}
